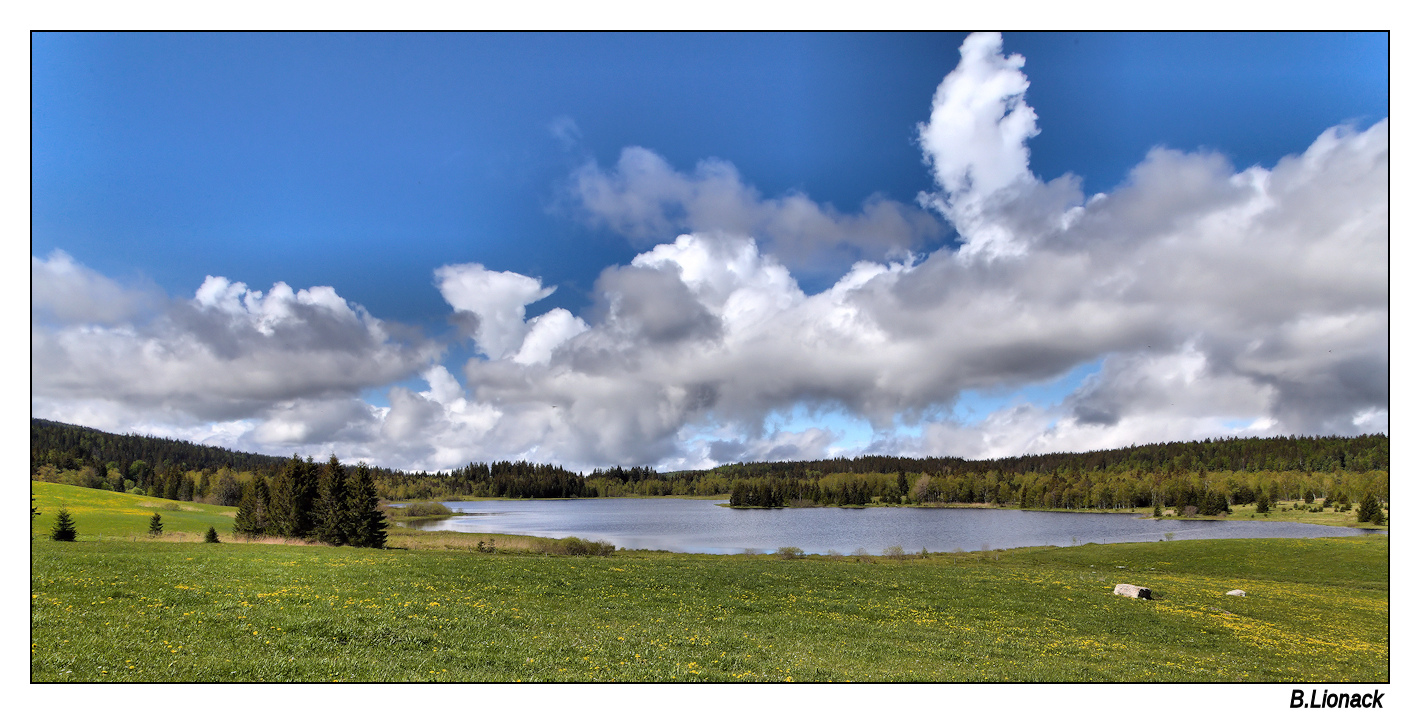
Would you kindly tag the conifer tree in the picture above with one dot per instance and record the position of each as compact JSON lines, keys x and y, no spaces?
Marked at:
{"x":63,"y":526}
{"x":365,"y":521}
{"x":1368,"y":509}
{"x":331,"y":504}
{"x":253,"y":513}
{"x":293,"y":495}
{"x":211,"y":536}
{"x":155,"y":525}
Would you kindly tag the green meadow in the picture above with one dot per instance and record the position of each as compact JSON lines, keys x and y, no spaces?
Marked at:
{"x":120,"y":606}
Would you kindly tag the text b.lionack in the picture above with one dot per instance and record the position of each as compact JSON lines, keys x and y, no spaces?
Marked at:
{"x":1328,"y":699}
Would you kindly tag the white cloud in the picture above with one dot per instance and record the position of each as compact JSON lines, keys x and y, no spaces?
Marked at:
{"x":64,"y":291}
{"x":646,"y":199}
{"x":498,"y":299}
{"x":226,"y":355}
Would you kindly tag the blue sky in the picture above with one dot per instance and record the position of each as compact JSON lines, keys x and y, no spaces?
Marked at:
{"x":521,"y":162}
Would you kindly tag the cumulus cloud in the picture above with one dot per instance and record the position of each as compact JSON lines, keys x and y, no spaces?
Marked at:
{"x":1221,"y":301}
{"x":646,"y":199}
{"x":498,"y":301}
{"x":288,"y":364}
{"x":1216,"y":300}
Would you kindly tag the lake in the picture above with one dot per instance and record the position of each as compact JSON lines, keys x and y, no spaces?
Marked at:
{"x":702,"y":526}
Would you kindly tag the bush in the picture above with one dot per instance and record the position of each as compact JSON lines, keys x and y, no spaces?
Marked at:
{"x":895,"y":552}
{"x":573,"y":545}
{"x":211,"y":536}
{"x":789,"y":552}
{"x":420,"y":508}
{"x":155,"y":525}
{"x":63,"y":526}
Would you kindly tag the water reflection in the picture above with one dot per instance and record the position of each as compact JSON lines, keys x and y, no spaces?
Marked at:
{"x":696,"y":526}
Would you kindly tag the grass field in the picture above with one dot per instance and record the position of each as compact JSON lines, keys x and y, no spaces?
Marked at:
{"x":117,"y":606}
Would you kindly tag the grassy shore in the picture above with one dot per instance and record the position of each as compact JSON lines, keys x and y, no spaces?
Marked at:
{"x":117,"y":606}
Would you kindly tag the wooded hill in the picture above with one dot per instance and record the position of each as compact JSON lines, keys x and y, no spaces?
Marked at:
{"x":1212,"y":471}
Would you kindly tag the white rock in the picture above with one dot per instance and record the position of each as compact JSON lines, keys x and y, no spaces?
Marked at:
{"x":1135,"y":591}
{"x":1238,"y":593}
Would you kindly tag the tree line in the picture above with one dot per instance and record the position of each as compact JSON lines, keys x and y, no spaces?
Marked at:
{"x":1175,"y":474}
{"x":1370,"y":452}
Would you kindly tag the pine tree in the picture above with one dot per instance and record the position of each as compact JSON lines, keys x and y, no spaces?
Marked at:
{"x":155,"y":525}
{"x":211,"y":535}
{"x":366,"y":522}
{"x":63,"y":526}
{"x":331,"y":504}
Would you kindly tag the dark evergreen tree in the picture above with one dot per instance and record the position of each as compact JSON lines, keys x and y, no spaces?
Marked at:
{"x":211,"y":536}
{"x":365,"y":521}
{"x":155,"y":525}
{"x":63,"y":526}
{"x":172,"y":485}
{"x":1370,"y":507}
{"x":293,"y":496}
{"x":331,"y":504}
{"x":253,"y":513}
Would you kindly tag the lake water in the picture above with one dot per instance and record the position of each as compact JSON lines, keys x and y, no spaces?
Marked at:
{"x":698,"y":526}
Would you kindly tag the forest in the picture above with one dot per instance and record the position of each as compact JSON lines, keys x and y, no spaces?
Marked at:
{"x":1206,"y":474}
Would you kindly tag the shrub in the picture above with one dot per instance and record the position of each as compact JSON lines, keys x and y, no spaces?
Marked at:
{"x":211,"y":536}
{"x":573,"y":545}
{"x":789,"y":552}
{"x":420,"y":508}
{"x":63,"y":526}
{"x":155,"y":525}
{"x":895,"y":552}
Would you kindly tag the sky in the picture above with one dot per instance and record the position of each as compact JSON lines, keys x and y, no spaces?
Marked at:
{"x":691,"y":249}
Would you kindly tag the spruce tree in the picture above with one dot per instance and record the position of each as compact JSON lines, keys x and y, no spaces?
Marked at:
{"x":155,"y":525}
{"x":253,"y":513}
{"x":293,"y":492}
{"x":1368,"y":509}
{"x":331,"y":504}
{"x":63,"y":526}
{"x":366,"y":523}
{"x":211,"y":535}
